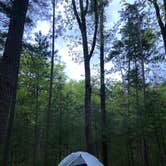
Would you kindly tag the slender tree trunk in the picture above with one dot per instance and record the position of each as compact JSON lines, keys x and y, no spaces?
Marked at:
{"x":9,"y":64}
{"x":128,"y":87}
{"x":163,"y":32}
{"x":146,"y":157}
{"x":163,"y":140}
{"x":87,"y":100}
{"x":137,"y":105}
{"x":60,"y":135}
{"x":81,"y":20}
{"x":143,"y":83}
{"x":87,"y":107}
{"x":96,"y":138}
{"x":128,"y":111}
{"x":36,"y":129}
{"x":131,"y":152}
{"x":50,"y":91}
{"x":138,"y":115}
{"x":102,"y":89}
{"x":60,"y":126}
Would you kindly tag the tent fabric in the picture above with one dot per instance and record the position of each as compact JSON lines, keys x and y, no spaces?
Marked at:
{"x":79,"y":158}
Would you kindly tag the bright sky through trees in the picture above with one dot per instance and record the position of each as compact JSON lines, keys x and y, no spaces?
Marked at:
{"x":74,"y":70}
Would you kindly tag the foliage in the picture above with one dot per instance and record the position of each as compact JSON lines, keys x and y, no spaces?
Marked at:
{"x":131,"y":114}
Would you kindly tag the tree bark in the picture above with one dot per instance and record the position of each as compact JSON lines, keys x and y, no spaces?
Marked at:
{"x":142,"y":57}
{"x":81,"y":20}
{"x":102,"y":89}
{"x":9,"y":130}
{"x":129,"y":141}
{"x":87,"y":99}
{"x":146,"y":158}
{"x":50,"y":90}
{"x":36,"y":129}
{"x":9,"y":63}
{"x":87,"y":108}
{"x":162,"y":140}
{"x":60,"y":142}
{"x":9,"y":68}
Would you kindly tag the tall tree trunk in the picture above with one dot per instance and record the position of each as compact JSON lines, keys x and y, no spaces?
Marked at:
{"x":87,"y":99}
{"x":129,"y":142}
{"x":138,"y":115}
{"x":87,"y":108}
{"x":9,"y":64}
{"x":9,"y":69}
{"x":162,"y":139}
{"x":60,"y":124}
{"x":9,"y":131}
{"x":50,"y":90}
{"x":60,"y":135}
{"x":102,"y":89}
{"x":81,"y":20}
{"x":137,"y":105}
{"x":146,"y":158}
{"x":36,"y":129}
{"x":96,"y":137}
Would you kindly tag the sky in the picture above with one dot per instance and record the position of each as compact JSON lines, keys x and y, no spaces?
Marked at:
{"x":75,"y":70}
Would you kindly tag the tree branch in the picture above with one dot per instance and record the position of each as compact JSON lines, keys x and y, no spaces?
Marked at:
{"x":86,"y":7}
{"x":96,"y":28}
{"x":158,"y":15}
{"x":76,"y":14}
{"x":164,"y":1}
{"x":82,"y":10}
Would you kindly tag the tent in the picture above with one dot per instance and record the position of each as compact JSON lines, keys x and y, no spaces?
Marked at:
{"x":80,"y":159}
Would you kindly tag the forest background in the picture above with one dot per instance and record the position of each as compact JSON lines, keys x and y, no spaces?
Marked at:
{"x":45,"y":115}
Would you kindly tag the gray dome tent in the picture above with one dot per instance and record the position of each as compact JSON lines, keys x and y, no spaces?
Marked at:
{"x":80,"y":159}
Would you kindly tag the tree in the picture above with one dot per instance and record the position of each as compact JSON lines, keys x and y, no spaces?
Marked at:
{"x":39,"y":54}
{"x":135,"y":48}
{"x":50,"y":88}
{"x":160,"y":19}
{"x":9,"y":68}
{"x":102,"y":86}
{"x":81,"y":20}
